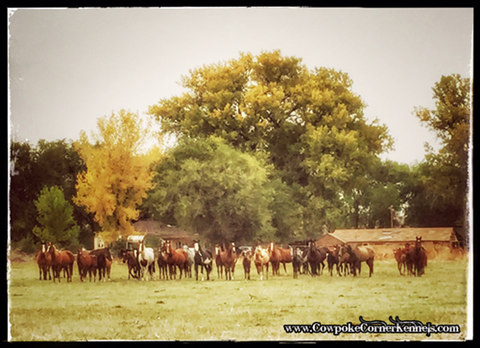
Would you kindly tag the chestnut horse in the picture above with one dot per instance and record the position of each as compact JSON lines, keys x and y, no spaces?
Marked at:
{"x":229,"y":259}
{"x":279,"y":255}
{"x":62,"y":259}
{"x":401,"y":257}
{"x":261,"y":260}
{"x":175,"y":258}
{"x":218,"y":261}
{"x":275,"y":257}
{"x":43,"y":261}
{"x":86,"y":264}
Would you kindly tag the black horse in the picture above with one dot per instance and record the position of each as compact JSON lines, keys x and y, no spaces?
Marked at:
{"x":203,"y":259}
{"x":297,"y":261}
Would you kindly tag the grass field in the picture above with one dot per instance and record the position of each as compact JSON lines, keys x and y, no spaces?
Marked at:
{"x":124,"y":309}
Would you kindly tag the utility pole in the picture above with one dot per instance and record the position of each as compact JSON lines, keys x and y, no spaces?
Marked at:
{"x":391,"y":216}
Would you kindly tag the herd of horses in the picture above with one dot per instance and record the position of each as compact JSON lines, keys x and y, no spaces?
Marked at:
{"x":411,"y":261}
{"x":173,"y":262}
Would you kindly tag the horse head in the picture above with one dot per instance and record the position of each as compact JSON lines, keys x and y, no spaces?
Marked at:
{"x":418,"y":242}
{"x":168,"y":247}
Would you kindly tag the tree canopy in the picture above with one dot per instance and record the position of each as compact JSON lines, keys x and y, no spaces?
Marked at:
{"x":309,"y":123}
{"x":208,"y":187}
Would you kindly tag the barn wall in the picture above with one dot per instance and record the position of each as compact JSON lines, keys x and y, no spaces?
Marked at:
{"x":435,"y":250}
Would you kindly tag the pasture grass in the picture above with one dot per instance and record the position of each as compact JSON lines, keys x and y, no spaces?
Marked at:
{"x":123,"y":309}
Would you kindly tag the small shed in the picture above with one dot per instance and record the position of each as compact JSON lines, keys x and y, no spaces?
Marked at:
{"x":133,"y":241}
{"x":177,"y":236}
{"x":438,"y":241}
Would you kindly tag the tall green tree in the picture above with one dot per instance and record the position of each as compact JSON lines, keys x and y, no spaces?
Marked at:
{"x":442,"y":193}
{"x":22,"y":191}
{"x":309,"y":123}
{"x":55,"y":216}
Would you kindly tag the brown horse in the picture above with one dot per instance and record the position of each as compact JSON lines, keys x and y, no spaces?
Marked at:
{"x":218,"y":261}
{"x":286,"y":257}
{"x":103,"y":256}
{"x":175,"y":258}
{"x":361,"y":254}
{"x":162,"y":264}
{"x":419,"y":258}
{"x":344,"y":262}
{"x":86,"y":264}
{"x":275,"y":257}
{"x":401,"y":258}
{"x":261,"y":260}
{"x":315,"y":257}
{"x":43,"y":261}
{"x":62,"y":259}
{"x":229,"y":259}
{"x":333,"y":259}
{"x":247,"y":262}
{"x":129,"y":257}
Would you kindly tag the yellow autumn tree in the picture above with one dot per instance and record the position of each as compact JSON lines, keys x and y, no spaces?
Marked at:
{"x":119,"y":172}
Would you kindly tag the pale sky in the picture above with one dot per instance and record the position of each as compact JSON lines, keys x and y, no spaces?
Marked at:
{"x":69,"y":67}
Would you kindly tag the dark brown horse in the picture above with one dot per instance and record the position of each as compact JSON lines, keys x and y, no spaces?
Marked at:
{"x":229,"y":259}
{"x":102,"y":256}
{"x":175,"y":258}
{"x":247,"y":262}
{"x":316,"y":257}
{"x":129,"y":257}
{"x":44,"y":262}
{"x":86,"y":264}
{"x":61,"y":260}
{"x":419,"y":258}
{"x":162,"y":264}
{"x":333,"y":259}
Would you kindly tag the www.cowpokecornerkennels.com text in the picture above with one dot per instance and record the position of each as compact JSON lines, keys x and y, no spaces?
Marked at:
{"x":374,"y":327}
